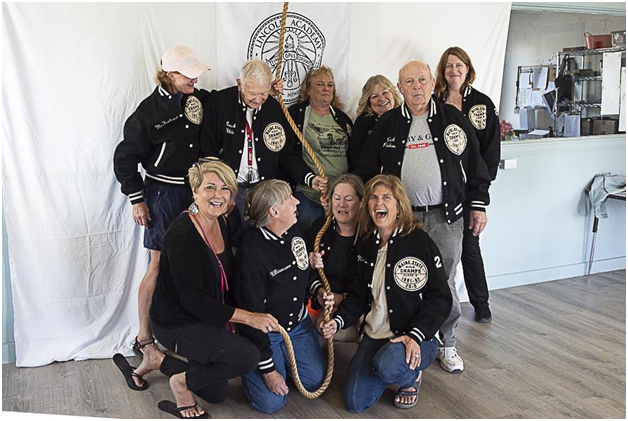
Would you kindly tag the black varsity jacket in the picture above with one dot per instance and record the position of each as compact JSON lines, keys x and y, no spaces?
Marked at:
{"x":485,"y":120}
{"x":417,"y":294}
{"x":163,"y":134}
{"x":362,"y":128}
{"x":297,"y":112}
{"x":272,"y":275}
{"x":457,"y":149}
{"x":224,"y":132}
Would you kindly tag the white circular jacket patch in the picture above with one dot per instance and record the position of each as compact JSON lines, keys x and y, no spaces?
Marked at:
{"x":274,"y":137}
{"x":194,"y":110}
{"x":410,"y":274}
{"x":456,"y":139}
{"x":477,"y":115}
{"x":300,"y":252}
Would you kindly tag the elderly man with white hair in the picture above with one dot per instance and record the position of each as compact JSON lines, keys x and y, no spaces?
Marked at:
{"x":245,"y":126}
{"x":432,"y":147}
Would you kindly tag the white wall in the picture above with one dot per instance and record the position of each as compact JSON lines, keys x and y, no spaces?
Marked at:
{"x":536,"y":37}
{"x":540,"y":221}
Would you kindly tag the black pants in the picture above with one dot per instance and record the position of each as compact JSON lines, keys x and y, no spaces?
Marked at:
{"x":473,"y":265}
{"x":214,"y":356}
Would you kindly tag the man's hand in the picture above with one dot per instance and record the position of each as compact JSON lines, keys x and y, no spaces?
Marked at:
{"x":276,"y":87}
{"x":275,"y":383}
{"x":477,"y":222}
{"x":141,"y":215}
{"x":413,"y":350}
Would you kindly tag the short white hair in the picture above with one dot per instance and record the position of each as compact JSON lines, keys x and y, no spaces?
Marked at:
{"x":256,"y":70}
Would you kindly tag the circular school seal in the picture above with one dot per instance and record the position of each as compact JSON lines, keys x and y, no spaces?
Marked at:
{"x":303,"y":49}
{"x":274,"y":137}
{"x":477,"y":115}
{"x":300,"y":252}
{"x":410,"y":274}
{"x":194,"y":110}
{"x":456,"y":139}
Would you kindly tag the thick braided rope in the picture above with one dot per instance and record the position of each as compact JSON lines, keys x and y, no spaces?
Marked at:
{"x":317,"y":241}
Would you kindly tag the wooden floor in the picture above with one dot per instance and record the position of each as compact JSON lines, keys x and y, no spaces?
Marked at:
{"x":554,"y":350}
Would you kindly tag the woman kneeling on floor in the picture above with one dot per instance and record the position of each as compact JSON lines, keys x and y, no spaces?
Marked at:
{"x":272,"y":274}
{"x":188,"y":314}
{"x":402,"y":290}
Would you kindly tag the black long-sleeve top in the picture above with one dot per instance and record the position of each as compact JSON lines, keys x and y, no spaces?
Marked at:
{"x":188,"y":286}
{"x":273,"y":275}
{"x":339,"y":258}
{"x":417,"y":294}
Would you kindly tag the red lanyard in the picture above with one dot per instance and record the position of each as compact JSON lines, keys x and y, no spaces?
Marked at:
{"x":224,"y":286}
{"x":249,"y":142}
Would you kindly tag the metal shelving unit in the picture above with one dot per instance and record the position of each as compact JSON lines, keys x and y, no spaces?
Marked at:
{"x":586,"y":94}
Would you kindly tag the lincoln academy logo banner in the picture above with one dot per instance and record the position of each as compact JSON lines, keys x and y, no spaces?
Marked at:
{"x":316,"y":34}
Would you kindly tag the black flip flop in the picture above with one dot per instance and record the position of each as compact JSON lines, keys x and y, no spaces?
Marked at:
{"x":128,"y":373}
{"x":173,"y":409}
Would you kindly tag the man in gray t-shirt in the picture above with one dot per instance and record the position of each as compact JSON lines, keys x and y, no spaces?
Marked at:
{"x":420,"y":156}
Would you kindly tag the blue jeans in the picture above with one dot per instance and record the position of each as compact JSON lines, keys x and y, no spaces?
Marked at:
{"x":310,"y":363}
{"x":308,"y":211}
{"x":377,"y":363}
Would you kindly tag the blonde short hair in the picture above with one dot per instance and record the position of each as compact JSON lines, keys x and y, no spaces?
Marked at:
{"x":262,"y":197}
{"x":364,"y":104}
{"x":197,"y":172}
{"x":406,"y":220}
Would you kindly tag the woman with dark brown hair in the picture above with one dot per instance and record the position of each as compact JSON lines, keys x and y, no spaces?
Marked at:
{"x":455,"y":74}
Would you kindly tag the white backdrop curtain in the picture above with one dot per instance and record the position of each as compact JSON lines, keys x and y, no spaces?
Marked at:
{"x":72,"y":74}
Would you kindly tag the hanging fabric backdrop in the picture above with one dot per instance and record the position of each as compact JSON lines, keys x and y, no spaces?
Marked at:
{"x":72,"y":74}
{"x":315,"y":35}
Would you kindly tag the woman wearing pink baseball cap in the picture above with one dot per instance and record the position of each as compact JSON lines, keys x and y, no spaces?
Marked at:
{"x":163,"y":134}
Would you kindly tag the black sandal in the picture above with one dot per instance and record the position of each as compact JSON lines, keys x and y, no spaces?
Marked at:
{"x":173,"y":409}
{"x":128,"y":373}
{"x":139,"y":345}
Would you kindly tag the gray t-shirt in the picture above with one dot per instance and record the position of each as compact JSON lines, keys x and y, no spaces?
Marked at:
{"x":420,"y":172}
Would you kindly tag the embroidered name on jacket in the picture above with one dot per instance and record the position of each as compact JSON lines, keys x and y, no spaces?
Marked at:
{"x":389,"y":143}
{"x":164,"y":122}
{"x":276,"y":272}
{"x":299,"y":250}
{"x":455,"y":139}
{"x":410,"y":274}
{"x":194,"y":110}
{"x":230,"y":128}
{"x":274,"y":137}
{"x":477,"y":115}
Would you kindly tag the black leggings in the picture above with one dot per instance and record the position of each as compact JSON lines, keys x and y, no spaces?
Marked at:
{"x":214,"y":356}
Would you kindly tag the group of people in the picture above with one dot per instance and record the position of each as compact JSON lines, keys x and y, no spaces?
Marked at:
{"x":231,"y":204}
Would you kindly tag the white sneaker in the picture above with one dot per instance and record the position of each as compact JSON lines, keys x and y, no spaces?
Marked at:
{"x":450,"y":360}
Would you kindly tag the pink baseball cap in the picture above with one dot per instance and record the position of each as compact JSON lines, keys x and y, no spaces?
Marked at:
{"x":183,"y":60}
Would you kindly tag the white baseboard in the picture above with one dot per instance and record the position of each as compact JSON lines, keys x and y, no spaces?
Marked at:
{"x":552,"y":274}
